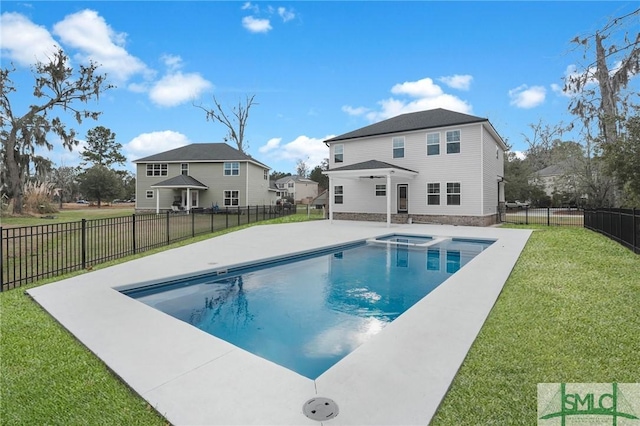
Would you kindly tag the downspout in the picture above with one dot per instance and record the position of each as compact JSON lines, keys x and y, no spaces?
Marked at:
{"x":247,"y":184}
{"x":330,"y":196}
{"x":388,"y":199}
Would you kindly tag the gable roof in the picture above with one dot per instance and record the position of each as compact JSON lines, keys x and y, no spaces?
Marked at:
{"x":369,"y":165}
{"x":295,"y":178}
{"x":412,"y":121}
{"x":201,"y":152}
{"x":180,"y":181}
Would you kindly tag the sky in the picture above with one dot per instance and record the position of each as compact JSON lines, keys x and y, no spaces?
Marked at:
{"x":316,"y":68}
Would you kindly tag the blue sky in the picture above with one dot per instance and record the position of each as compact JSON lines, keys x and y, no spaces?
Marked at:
{"x":317,"y":69}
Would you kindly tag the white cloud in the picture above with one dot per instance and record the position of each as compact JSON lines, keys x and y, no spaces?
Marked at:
{"x":255,"y":25}
{"x":253,"y":7}
{"x":271,"y":145}
{"x":527,"y":97}
{"x":172,"y":62}
{"x":174,"y":89}
{"x":456,"y":81}
{"x":285,"y":14}
{"x":417,"y":89}
{"x":97,"y":41}
{"x":354,"y":111}
{"x":152,"y":143}
{"x":426,"y":94}
{"x":23,"y":41}
{"x":313,"y":150}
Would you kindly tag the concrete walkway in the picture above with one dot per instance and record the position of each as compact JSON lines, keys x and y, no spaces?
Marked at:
{"x":399,"y":377}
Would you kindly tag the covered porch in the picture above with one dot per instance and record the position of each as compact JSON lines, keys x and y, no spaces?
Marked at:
{"x":372,"y":169}
{"x":187,"y":188}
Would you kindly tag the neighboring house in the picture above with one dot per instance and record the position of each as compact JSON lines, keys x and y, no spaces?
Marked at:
{"x":320,"y":202}
{"x":201,"y":175}
{"x":435,"y":166}
{"x":302,"y":190}
{"x":550,"y":178}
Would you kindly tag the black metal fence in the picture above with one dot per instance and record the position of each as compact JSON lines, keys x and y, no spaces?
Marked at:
{"x":621,"y":225}
{"x":31,"y":253}
{"x":550,"y":216}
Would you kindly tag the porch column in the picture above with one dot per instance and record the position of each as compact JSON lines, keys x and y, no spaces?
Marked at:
{"x":188,"y":199}
{"x":388,"y":200}
{"x":330,"y":199}
{"x":157,"y":200}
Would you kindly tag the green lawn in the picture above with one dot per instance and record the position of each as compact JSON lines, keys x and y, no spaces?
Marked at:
{"x":568,"y":313}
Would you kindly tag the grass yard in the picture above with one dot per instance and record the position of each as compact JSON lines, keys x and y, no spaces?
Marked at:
{"x":568,"y":313}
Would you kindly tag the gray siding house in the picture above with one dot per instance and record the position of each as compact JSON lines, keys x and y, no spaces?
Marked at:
{"x":201,"y":175}
{"x":435,"y":166}
{"x":302,"y":190}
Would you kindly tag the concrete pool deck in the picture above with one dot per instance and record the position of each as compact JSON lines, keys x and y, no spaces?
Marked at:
{"x":398,"y":377}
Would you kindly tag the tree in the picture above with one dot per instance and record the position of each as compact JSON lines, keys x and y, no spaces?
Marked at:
{"x":623,"y":161}
{"x":517,"y":174}
{"x":612,"y":69}
{"x":316,"y":175}
{"x":65,"y":180}
{"x":128,"y":183}
{"x":235,"y":123}
{"x":274,"y":176}
{"x":302,"y":169}
{"x":102,"y":148}
{"x":605,"y":106}
{"x":56,"y":88}
{"x":100,"y":183}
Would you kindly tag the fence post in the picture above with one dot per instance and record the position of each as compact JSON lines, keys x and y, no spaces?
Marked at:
{"x":83,"y":243}
{"x":133,"y":232}
{"x":193,"y":223}
{"x":211,"y":216}
{"x":168,"y":238}
{"x":226,"y":218}
{"x":239,"y":211}
{"x":633,"y":229}
{"x":548,"y":216}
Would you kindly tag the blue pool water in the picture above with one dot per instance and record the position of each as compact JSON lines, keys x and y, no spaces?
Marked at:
{"x":306,"y":313}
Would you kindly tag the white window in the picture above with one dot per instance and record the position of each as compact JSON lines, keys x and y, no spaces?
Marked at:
{"x":433,"y":194}
{"x":453,"y":142}
{"x":149,"y":194}
{"x":184,"y":169}
{"x":231,"y":198}
{"x":433,"y":143}
{"x":398,"y":147}
{"x":453,"y":193}
{"x":338,"y":153}
{"x":381,"y":190}
{"x":290,"y":185}
{"x":266,"y":175}
{"x":337,"y":194}
{"x":231,"y":169}
{"x":157,"y":169}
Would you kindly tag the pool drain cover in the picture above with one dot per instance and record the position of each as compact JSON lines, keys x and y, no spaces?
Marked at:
{"x":320,"y":409}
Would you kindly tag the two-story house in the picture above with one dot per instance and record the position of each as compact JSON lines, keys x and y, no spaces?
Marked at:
{"x":201,"y":175}
{"x":302,"y":190}
{"x":435,"y":166}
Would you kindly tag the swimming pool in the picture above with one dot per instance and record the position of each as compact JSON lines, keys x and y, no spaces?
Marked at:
{"x":307,"y":312}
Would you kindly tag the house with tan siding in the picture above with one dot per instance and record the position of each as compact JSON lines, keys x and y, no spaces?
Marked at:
{"x":435,"y":166}
{"x":301,"y":189}
{"x":201,"y":175}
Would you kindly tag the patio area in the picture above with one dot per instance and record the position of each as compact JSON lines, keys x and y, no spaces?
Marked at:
{"x":398,"y":377}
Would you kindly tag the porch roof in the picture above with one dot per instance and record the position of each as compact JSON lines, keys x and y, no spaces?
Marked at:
{"x":370,"y":169}
{"x":181,"y":182}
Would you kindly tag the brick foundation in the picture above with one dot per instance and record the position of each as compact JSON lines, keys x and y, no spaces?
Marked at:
{"x":420,"y":218}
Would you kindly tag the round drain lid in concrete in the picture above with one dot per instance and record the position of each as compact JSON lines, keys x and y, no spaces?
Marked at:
{"x":320,"y":409}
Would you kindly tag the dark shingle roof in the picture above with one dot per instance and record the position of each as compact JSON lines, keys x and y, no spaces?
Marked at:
{"x":181,"y":181}
{"x":412,"y":121}
{"x":201,"y":152}
{"x":369,"y":165}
